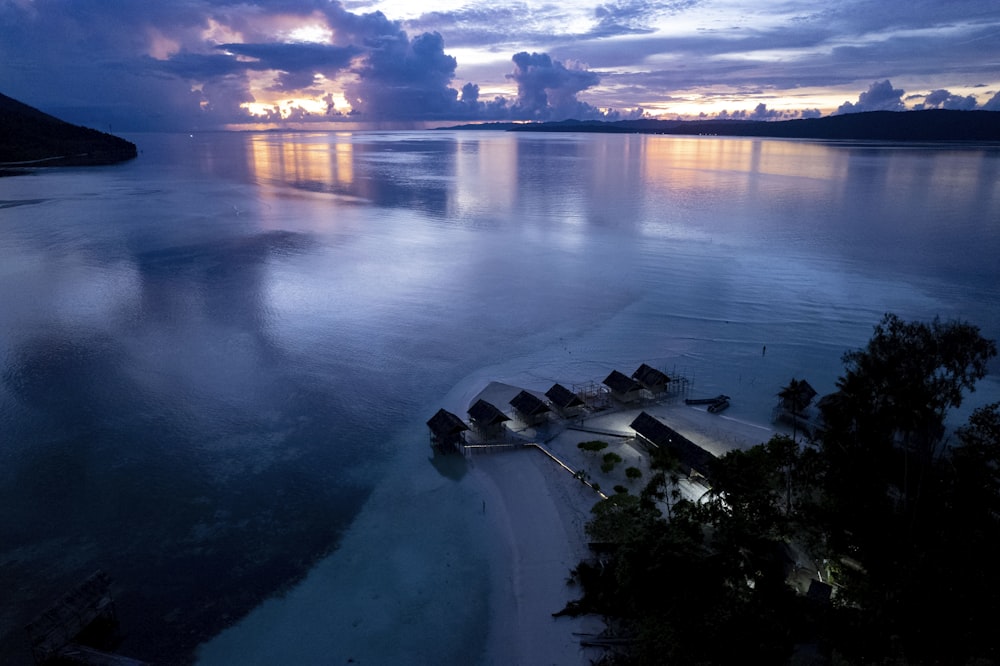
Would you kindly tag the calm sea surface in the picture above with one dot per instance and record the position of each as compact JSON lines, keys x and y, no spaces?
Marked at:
{"x":216,"y":360}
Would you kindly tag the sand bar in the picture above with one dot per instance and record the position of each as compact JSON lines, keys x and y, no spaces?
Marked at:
{"x":537,"y":512}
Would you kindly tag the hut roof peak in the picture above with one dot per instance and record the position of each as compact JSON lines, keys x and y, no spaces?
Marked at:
{"x":486,"y":413}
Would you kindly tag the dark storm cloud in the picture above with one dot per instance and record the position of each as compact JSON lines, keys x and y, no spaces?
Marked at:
{"x":496,"y":28}
{"x":809,"y":53}
{"x":880,"y":96}
{"x":99,"y":68}
{"x":403,"y":78}
{"x":944,"y":99}
{"x":295,"y":57}
{"x":297,"y":64}
{"x":547,"y":89}
{"x":193,"y":63}
{"x":873,"y":16}
{"x":197,"y":65}
{"x":624,"y":17}
{"x":493,"y":26}
{"x":78,"y":61}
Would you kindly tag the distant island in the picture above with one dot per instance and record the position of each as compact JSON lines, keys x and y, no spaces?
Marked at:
{"x":31,"y":138}
{"x":927,"y":125}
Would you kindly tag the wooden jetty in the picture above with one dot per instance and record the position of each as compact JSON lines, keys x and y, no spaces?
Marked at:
{"x":53,"y":633}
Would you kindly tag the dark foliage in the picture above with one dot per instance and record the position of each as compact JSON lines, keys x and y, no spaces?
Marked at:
{"x":926,"y":125}
{"x":906,"y":522}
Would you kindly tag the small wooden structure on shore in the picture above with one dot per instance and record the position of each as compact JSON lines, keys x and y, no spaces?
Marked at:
{"x":694,"y":460}
{"x":52,"y":634}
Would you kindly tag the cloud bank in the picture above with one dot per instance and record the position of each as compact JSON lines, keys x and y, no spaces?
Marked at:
{"x":210,"y":64}
{"x":133,"y":64}
{"x":882,"y":96}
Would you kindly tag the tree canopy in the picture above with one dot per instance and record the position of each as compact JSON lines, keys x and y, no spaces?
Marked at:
{"x":899,"y":519}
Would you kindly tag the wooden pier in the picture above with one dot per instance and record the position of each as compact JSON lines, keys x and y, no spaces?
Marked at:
{"x":53,"y":633}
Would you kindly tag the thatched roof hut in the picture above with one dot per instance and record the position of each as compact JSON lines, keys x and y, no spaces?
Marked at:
{"x":487,"y":418}
{"x":651,"y":379}
{"x":531,"y":408}
{"x":564,"y":400}
{"x":485,"y":413}
{"x":446,"y":428}
{"x":623,"y":388}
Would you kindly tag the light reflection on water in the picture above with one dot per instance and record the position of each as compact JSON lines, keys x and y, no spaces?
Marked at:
{"x":208,"y":355}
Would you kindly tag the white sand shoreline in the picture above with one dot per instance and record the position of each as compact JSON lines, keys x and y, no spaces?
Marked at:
{"x":537,"y":513}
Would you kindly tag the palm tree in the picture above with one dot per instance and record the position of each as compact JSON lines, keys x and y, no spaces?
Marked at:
{"x":794,"y":398}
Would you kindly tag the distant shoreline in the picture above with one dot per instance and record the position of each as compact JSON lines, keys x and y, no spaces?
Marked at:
{"x":933,"y":125}
{"x":29,"y":137}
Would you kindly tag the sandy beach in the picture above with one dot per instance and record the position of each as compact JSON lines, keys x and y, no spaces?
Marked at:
{"x":536,"y":511}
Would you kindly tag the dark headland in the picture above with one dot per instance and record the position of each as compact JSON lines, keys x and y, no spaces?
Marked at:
{"x":31,"y":138}
{"x":927,"y":125}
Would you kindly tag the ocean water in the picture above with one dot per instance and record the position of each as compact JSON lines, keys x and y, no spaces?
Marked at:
{"x":216,"y":360}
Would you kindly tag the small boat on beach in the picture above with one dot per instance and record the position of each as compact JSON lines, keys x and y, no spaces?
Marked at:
{"x":706,"y":401}
{"x":718,"y":406}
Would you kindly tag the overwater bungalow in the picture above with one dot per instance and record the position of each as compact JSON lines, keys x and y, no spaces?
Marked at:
{"x":530,"y":407}
{"x":623,"y":388}
{"x":652,"y":380}
{"x":447,"y":430}
{"x":694,"y":460}
{"x":488,"y":420}
{"x":565,"y":401}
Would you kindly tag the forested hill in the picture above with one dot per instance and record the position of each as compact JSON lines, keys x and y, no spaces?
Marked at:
{"x":28,"y":135}
{"x":928,"y":125}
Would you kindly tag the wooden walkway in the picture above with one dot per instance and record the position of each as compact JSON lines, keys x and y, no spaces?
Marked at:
{"x":575,"y":474}
{"x":599,"y":431}
{"x":52,"y":634}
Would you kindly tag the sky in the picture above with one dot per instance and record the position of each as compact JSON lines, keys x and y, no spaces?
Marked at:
{"x":181,"y":65}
